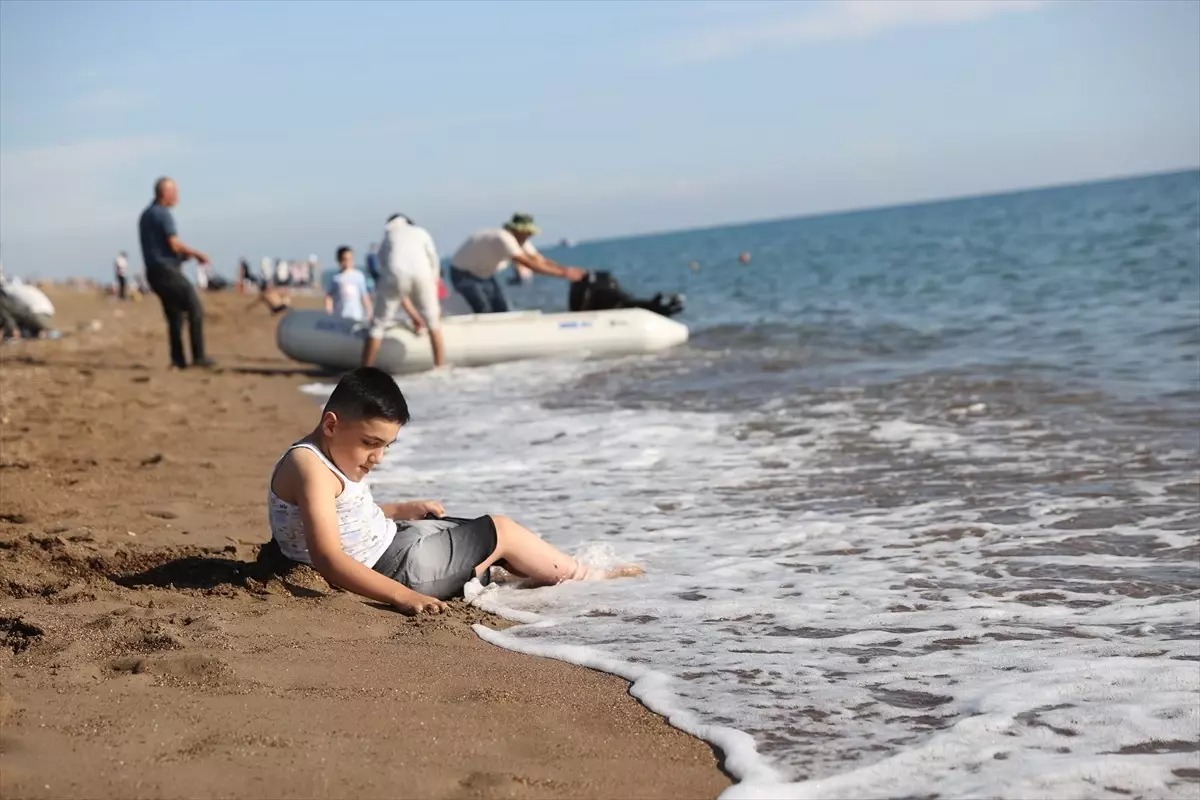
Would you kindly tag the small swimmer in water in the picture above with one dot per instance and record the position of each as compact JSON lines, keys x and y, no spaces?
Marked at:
{"x":744,"y":258}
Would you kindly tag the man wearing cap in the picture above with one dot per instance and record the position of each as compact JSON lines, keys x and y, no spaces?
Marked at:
{"x":482,"y":256}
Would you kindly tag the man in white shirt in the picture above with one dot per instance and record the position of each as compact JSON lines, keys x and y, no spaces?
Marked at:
{"x":482,"y":256}
{"x":408,"y":275}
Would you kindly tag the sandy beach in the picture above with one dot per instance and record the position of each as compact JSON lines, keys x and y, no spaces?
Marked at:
{"x":152,"y":649}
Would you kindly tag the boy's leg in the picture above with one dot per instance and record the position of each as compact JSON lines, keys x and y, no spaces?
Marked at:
{"x":528,"y":555}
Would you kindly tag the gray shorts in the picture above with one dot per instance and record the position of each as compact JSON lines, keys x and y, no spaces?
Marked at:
{"x":438,"y":556}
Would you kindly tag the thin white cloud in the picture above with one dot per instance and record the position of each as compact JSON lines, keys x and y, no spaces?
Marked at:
{"x":42,"y":182}
{"x":836,"y":21}
{"x":106,"y":100}
{"x":53,"y":197}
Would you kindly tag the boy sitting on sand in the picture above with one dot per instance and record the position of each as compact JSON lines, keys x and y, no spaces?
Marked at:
{"x":403,"y":554}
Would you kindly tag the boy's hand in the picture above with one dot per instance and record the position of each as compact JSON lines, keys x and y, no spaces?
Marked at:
{"x":422,"y":508}
{"x":414,"y":604}
{"x":414,"y":509}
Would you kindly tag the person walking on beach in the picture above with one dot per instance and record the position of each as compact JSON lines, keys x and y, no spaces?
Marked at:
{"x":164,"y":254}
{"x":121,"y":267}
{"x":348,"y":297}
{"x":483,"y":255}
{"x":408,"y":276}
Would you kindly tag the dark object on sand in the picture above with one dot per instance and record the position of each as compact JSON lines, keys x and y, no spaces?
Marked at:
{"x":600,"y":291}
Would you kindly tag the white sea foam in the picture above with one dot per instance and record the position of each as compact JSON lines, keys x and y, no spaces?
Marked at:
{"x":846,"y":601}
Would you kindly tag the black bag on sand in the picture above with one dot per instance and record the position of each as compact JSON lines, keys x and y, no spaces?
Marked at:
{"x":600,"y":291}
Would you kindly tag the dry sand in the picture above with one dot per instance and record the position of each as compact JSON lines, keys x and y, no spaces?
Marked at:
{"x":150,"y":648}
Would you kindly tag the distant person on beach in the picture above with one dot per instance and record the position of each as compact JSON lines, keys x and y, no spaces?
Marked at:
{"x":164,"y":254}
{"x":25,"y":311}
{"x":348,"y":297}
{"x":246,"y":277}
{"x":485,"y":254}
{"x":274,"y":298}
{"x":121,"y":270}
{"x":408,"y":280}
{"x":407,"y":555}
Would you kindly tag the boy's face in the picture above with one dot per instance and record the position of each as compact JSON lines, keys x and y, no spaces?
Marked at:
{"x":357,"y":446}
{"x":347,"y":260}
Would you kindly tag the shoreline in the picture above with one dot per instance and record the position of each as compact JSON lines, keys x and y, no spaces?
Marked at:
{"x":148,"y":654}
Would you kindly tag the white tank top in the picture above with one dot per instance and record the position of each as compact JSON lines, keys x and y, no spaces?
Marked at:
{"x":364,"y":529}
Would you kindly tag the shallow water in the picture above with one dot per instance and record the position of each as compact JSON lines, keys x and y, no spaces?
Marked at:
{"x":918,"y":502}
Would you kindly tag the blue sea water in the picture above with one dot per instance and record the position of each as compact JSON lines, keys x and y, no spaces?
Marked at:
{"x":918,"y":501}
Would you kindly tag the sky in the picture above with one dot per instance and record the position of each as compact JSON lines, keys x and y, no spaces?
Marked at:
{"x":295,"y":127}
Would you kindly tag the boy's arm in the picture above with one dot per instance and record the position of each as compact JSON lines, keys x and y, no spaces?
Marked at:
{"x":368,"y":303}
{"x":316,"y":498}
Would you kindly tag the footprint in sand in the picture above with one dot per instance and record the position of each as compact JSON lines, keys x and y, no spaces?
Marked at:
{"x":182,"y":667}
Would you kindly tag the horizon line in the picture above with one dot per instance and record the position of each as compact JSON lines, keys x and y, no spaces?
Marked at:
{"x":838,"y":212}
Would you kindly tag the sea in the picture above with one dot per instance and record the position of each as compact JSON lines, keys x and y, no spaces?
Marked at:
{"x":919,"y":501}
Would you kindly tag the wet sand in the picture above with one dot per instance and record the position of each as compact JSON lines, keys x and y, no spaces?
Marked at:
{"x":150,"y":648}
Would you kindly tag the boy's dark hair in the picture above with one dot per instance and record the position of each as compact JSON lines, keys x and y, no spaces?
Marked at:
{"x":343,"y":249}
{"x":368,"y":393}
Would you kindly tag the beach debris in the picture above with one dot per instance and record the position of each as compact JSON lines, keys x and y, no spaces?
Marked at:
{"x":157,"y":458}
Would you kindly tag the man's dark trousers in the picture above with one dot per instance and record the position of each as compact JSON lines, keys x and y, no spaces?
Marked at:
{"x":179,"y":300}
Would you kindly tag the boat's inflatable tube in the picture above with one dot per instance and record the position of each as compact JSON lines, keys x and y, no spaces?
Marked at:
{"x":478,"y":339}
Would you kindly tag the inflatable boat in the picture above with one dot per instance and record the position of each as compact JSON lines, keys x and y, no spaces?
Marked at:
{"x":472,"y":340}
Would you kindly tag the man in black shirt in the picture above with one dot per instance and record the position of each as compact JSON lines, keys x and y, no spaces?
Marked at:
{"x":164,"y":254}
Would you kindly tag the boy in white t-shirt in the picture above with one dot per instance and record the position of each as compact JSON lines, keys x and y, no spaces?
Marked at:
{"x":408,"y":555}
{"x":348,"y":297}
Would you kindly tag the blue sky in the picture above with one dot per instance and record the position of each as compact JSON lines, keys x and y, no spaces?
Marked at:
{"x":293,"y":127}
